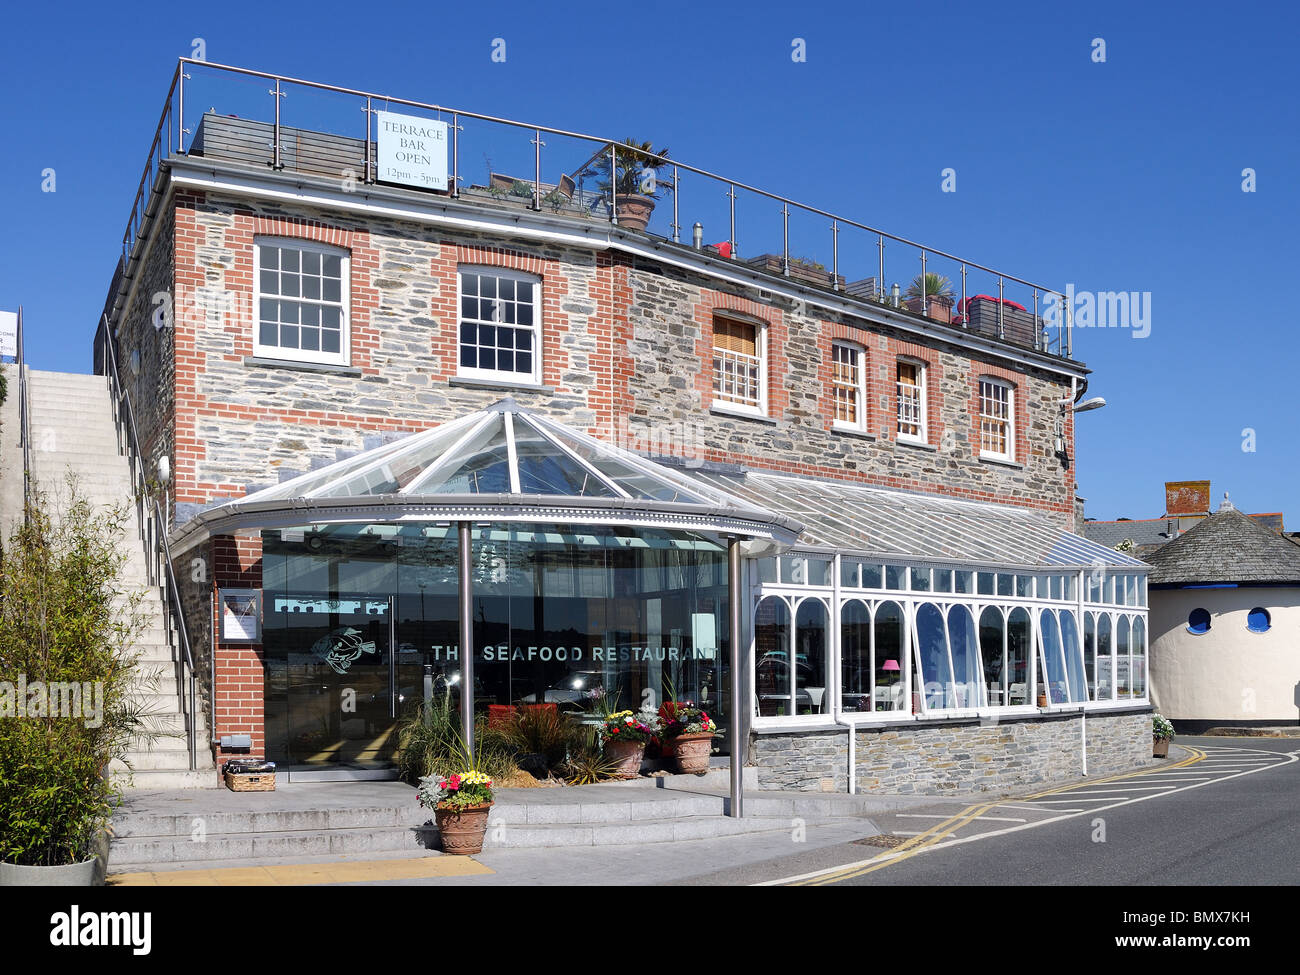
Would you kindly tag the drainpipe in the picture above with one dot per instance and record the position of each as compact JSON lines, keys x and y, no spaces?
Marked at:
{"x":1083,"y":713}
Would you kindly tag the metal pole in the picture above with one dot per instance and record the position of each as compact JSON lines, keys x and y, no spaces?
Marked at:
{"x":537,"y":169}
{"x":180,"y":115}
{"x":835,"y":255}
{"x":1038,"y":331}
{"x":455,"y":155}
{"x":275,"y":148}
{"x":924,"y":308}
{"x":965,"y":317}
{"x":466,"y":640}
{"x":368,"y":114}
{"x":613,"y":184}
{"x":1000,"y":330}
{"x":731,"y":193}
{"x":785,"y":240}
{"x":737,"y":808}
{"x":880,"y":282}
{"x":677,"y":238}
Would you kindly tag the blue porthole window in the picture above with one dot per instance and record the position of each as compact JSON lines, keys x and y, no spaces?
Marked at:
{"x":1198,"y":621}
{"x":1258,"y":620}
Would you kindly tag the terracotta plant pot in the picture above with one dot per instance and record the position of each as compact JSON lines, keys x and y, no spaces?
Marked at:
{"x":1160,"y":748}
{"x":693,"y":753}
{"x":634,"y":210}
{"x":462,"y":830}
{"x":628,"y":755}
{"x":1042,"y":699}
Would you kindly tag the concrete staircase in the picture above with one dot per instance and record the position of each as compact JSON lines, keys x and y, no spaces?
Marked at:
{"x":72,"y":431}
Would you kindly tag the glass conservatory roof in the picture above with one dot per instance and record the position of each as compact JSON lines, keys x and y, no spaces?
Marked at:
{"x":898,"y":524}
{"x":502,"y":450}
{"x":502,"y":464}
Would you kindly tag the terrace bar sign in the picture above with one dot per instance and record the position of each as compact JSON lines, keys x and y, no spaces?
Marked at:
{"x":411,"y":150}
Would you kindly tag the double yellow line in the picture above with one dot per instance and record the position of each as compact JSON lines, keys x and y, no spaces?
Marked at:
{"x":921,"y":842}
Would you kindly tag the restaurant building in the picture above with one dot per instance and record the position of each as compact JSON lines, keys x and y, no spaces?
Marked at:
{"x":511,"y":439}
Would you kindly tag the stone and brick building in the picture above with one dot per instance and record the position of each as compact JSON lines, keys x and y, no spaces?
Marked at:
{"x":376,"y":398}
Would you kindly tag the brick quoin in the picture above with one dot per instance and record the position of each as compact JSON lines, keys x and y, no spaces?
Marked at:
{"x":238,"y":698}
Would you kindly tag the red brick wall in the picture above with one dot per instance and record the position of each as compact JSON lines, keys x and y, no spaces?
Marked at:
{"x":238,"y":696}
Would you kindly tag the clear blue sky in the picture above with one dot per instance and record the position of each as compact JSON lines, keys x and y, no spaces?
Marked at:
{"x":1117,"y":176}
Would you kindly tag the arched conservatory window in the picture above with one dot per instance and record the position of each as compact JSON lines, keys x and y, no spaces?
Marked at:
{"x":1054,"y":678}
{"x":772,"y":677}
{"x":891,"y":659}
{"x":1019,"y":642}
{"x":1105,"y":660}
{"x":855,"y":657}
{"x":811,"y":658}
{"x":968,"y":679}
{"x":1090,"y":652}
{"x":935,"y":669}
{"x":1139,"y":657}
{"x":1073,"y":657}
{"x":1124,"y":678}
{"x":993,"y":651}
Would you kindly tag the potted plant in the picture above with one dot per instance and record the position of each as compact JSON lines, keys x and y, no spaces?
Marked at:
{"x":66,"y":623}
{"x":1162,"y":733}
{"x":625,"y":738}
{"x":938,"y":296}
{"x":460,"y":803}
{"x":690,"y":731}
{"x":633,"y":184}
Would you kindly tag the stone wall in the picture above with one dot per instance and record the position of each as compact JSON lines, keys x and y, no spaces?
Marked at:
{"x":627,"y":356}
{"x":968,"y":757}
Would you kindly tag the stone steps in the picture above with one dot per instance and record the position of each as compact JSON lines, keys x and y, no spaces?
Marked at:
{"x":73,"y":431}
{"x":308,"y":820}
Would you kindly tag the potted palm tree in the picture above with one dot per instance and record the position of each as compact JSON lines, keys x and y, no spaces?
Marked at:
{"x":633,"y":184}
{"x":936,"y":292}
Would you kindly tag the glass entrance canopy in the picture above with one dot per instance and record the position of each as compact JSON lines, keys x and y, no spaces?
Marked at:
{"x":500,"y":464}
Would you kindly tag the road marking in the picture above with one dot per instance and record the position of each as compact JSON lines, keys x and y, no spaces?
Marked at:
{"x":1000,"y":819}
{"x":931,"y":839}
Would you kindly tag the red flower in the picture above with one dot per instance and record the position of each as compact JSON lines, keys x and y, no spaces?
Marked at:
{"x":454,"y":782}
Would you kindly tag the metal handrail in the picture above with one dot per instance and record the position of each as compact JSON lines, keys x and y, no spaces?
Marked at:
{"x":152,"y":528}
{"x":163,"y":136}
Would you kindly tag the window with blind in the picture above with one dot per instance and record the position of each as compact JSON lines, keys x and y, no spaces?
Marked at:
{"x":997,"y":419}
{"x":911,"y":401}
{"x":848,"y":385}
{"x":739,"y":370}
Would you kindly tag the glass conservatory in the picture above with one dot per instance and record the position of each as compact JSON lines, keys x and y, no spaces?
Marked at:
{"x":505,"y":560}
{"x":896,"y":606}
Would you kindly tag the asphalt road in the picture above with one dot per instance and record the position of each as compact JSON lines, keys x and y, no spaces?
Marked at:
{"x":1227,"y":815}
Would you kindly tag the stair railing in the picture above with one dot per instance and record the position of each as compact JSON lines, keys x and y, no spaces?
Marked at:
{"x":153,"y":533}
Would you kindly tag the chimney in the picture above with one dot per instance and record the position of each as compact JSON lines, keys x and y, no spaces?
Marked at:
{"x":1171,"y":528}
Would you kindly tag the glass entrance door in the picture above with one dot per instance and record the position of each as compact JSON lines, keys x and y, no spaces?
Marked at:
{"x":331,"y":685}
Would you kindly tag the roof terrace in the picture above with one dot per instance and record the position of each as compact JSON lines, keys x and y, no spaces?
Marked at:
{"x":271,"y":123}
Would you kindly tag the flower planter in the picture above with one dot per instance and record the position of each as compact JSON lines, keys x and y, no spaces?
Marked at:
{"x":627,"y":755}
{"x":462,"y":830}
{"x":87,"y":873}
{"x":1159,"y":747}
{"x":937,"y":308}
{"x":693,"y":753}
{"x":634,"y":210}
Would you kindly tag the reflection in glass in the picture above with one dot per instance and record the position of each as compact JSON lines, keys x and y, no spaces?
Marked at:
{"x":935,"y":669}
{"x":773,"y":684}
{"x":855,"y":657}
{"x":1053,"y":663}
{"x":993,"y":654}
{"x":1019,"y":644}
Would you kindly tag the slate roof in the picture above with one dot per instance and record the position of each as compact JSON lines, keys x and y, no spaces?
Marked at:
{"x":1228,"y":546}
{"x":1144,"y":531}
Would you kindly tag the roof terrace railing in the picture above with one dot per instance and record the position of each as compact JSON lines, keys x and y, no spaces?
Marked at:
{"x":289,"y":113}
